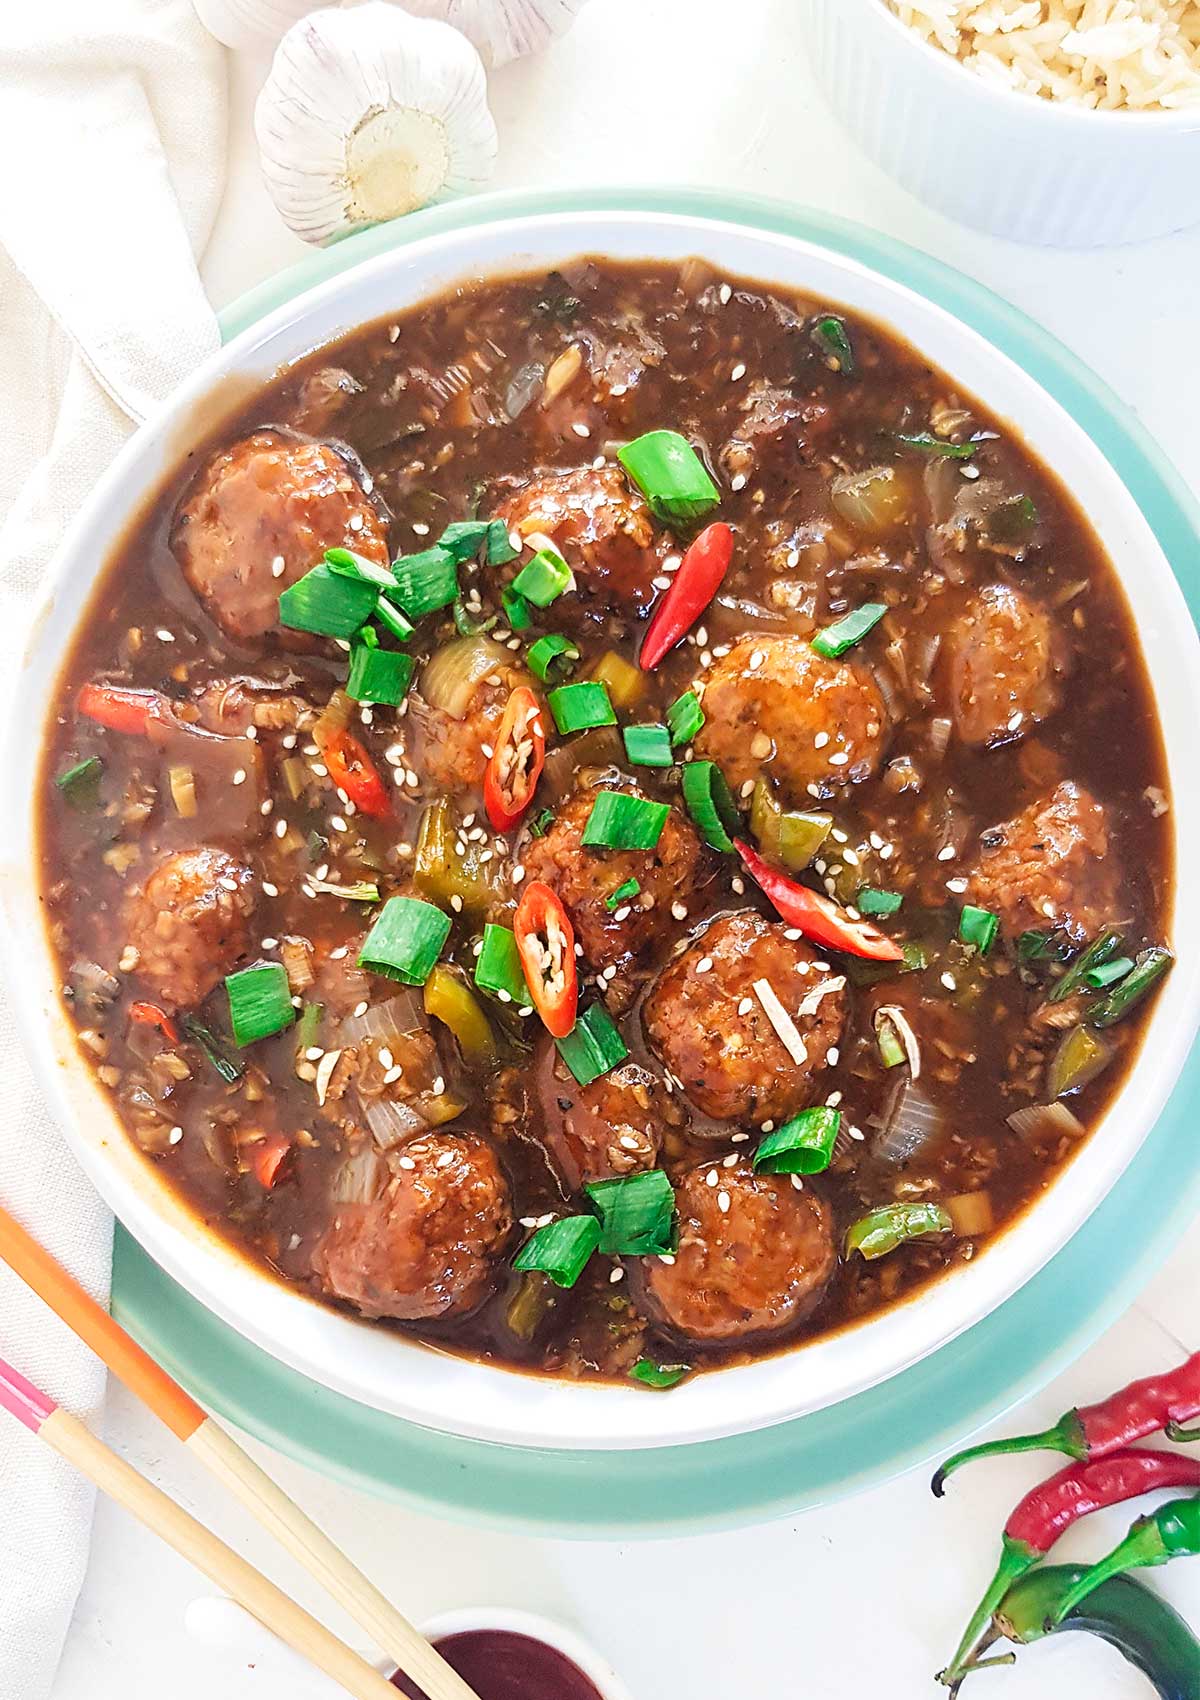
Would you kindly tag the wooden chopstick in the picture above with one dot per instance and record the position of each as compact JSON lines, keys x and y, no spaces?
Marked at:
{"x":220,"y":1453}
{"x":249,"y":1587}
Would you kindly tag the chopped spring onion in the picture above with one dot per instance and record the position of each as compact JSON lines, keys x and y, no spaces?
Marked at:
{"x":379,"y":675}
{"x":659,"y":1376}
{"x":881,"y":1231}
{"x":498,"y":967}
{"x":835,"y":640}
{"x":352,"y":565}
{"x":710,"y":803}
{"x":670,"y":474}
{"x":648,"y":746}
{"x":621,"y":822}
{"x":405,"y":941}
{"x":931,"y":445}
{"x":229,"y":1068}
{"x":637,"y":1213}
{"x":466,"y":625}
{"x":1100,"y":951}
{"x":500,"y":550}
{"x":80,"y":785}
{"x":978,"y":927}
{"x":307,"y":1028}
{"x":552,"y":657}
{"x":1049,"y":944}
{"x":543,"y":578}
{"x":685,"y":717}
{"x":561,"y":1249}
{"x":872,"y":901}
{"x":802,"y":1146}
{"x":517,"y":611}
{"x":260,"y":1002}
{"x":426,"y":581}
{"x":1080,"y":1057}
{"x":327,"y":603}
{"x":396,"y":622}
{"x":541,"y":826}
{"x":576,"y":707}
{"x":831,"y":336}
{"x":891,"y":1050}
{"x":626,"y":890}
{"x":593,"y":1045}
{"x":1149,"y":968}
{"x":465,"y":538}
{"x":1108,"y":973}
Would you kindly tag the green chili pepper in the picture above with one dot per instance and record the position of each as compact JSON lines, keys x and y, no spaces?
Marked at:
{"x":1172,"y":1531}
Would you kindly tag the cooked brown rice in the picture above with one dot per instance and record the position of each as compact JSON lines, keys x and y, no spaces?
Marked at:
{"x":1098,"y":53}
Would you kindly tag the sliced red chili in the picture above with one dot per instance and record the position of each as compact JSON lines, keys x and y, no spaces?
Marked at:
{"x":546,"y":945}
{"x":150,"y":1015}
{"x":117,"y":707}
{"x":817,"y":917}
{"x":693,"y":587}
{"x":268,"y":1158}
{"x":353,"y":771}
{"x":516,"y":762}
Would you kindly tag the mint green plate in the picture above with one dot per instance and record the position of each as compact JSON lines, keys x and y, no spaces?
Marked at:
{"x":915,"y":1416}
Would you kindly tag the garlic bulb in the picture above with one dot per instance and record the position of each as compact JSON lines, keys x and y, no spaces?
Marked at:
{"x":245,"y":23}
{"x":502,"y":29}
{"x":368,"y":114}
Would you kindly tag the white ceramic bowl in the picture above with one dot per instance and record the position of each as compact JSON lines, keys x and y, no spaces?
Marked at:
{"x":381,"y":1368}
{"x":1014,"y":164}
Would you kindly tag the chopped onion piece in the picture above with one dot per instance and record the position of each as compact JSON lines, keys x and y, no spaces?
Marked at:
{"x":971,"y":1213}
{"x":1053,"y":1119}
{"x":325,"y":1070}
{"x":781,"y":1021}
{"x":912,"y":1050}
{"x":453,"y":672}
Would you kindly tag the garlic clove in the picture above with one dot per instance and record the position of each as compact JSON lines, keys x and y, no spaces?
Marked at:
{"x":368,"y":114}
{"x":502,"y":29}
{"x":247,"y":23}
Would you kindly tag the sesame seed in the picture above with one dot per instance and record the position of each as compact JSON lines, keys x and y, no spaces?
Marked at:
{"x":833,"y":1100}
{"x":579,"y":429}
{"x":738,"y":481}
{"x":958,"y":884}
{"x":738,"y":1138}
{"x":456,"y":903}
{"x":679,"y":911}
{"x":517,"y":874}
{"x":270,"y":944}
{"x":239,"y":777}
{"x":393,"y":1074}
{"x":227,"y":883}
{"x":738,"y":884}
{"x":797,"y":1183}
{"x":711,"y":1178}
{"x":949,"y":982}
{"x":421,"y":529}
{"x":164,"y":636}
{"x":746,"y":1005}
{"x":731,"y":1161}
{"x":831,"y":1056}
{"x":704,"y":964}
{"x":175,"y":1135}
{"x":667,"y":1257}
{"x":739,"y":371}
{"x":839,"y":758}
{"x":723,"y":1203}
{"x":270,"y":890}
{"x":277,"y":566}
{"x":820,"y":741}
{"x":361,"y":1008}
{"x":946,"y":853}
{"x":616,"y":1275}
{"x":281,"y":827}
{"x":756,"y":660}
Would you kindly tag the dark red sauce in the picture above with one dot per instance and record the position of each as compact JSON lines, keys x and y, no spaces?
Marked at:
{"x":500,"y":1665}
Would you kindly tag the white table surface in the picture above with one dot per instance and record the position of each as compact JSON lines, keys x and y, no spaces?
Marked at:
{"x":867,"y":1596}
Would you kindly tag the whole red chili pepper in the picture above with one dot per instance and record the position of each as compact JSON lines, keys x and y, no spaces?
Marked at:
{"x":697,"y":580}
{"x":1050,"y":1510}
{"x":818,"y":918}
{"x":1091,"y":1431}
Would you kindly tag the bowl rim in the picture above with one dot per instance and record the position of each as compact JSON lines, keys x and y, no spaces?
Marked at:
{"x":545,"y":1421}
{"x":1051,"y":111}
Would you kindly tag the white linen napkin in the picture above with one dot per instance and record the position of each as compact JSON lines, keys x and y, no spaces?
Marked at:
{"x":112,"y":133}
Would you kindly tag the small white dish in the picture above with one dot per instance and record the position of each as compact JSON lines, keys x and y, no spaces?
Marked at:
{"x":1010,"y":163}
{"x":382,"y":1368}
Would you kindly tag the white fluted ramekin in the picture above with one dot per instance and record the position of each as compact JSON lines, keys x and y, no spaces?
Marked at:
{"x":1012,"y":164}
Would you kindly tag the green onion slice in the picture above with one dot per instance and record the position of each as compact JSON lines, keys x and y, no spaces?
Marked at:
{"x":928,"y":444}
{"x":637,"y":1213}
{"x":623,"y":893}
{"x":426,"y":581}
{"x":500,"y":550}
{"x":832,"y":338}
{"x":552,"y":657}
{"x":539,"y":827}
{"x":1101,"y":950}
{"x":593,"y":1045}
{"x":648,"y":746}
{"x":872,"y":901}
{"x":80,"y":785}
{"x":405,"y":941}
{"x":685,"y":717}
{"x":881,"y":1231}
{"x":711,"y":803}
{"x":1149,"y":968}
{"x":671,"y":476}
{"x":229,"y":1068}
{"x":260,"y":1002}
{"x":465,"y":538}
{"x":1049,"y":944}
{"x":802,"y":1146}
{"x":576,"y":707}
{"x":978,"y":927}
{"x":327,"y":603}
{"x":352,"y":565}
{"x":466,"y":625}
{"x":517,"y":611}
{"x":621,"y":822}
{"x":379,"y":675}
{"x":659,"y":1376}
{"x":835,"y":640}
{"x":396,"y":622}
{"x":561,"y":1249}
{"x":1107,"y":973}
{"x":544,"y":578}
{"x":498,"y":967}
